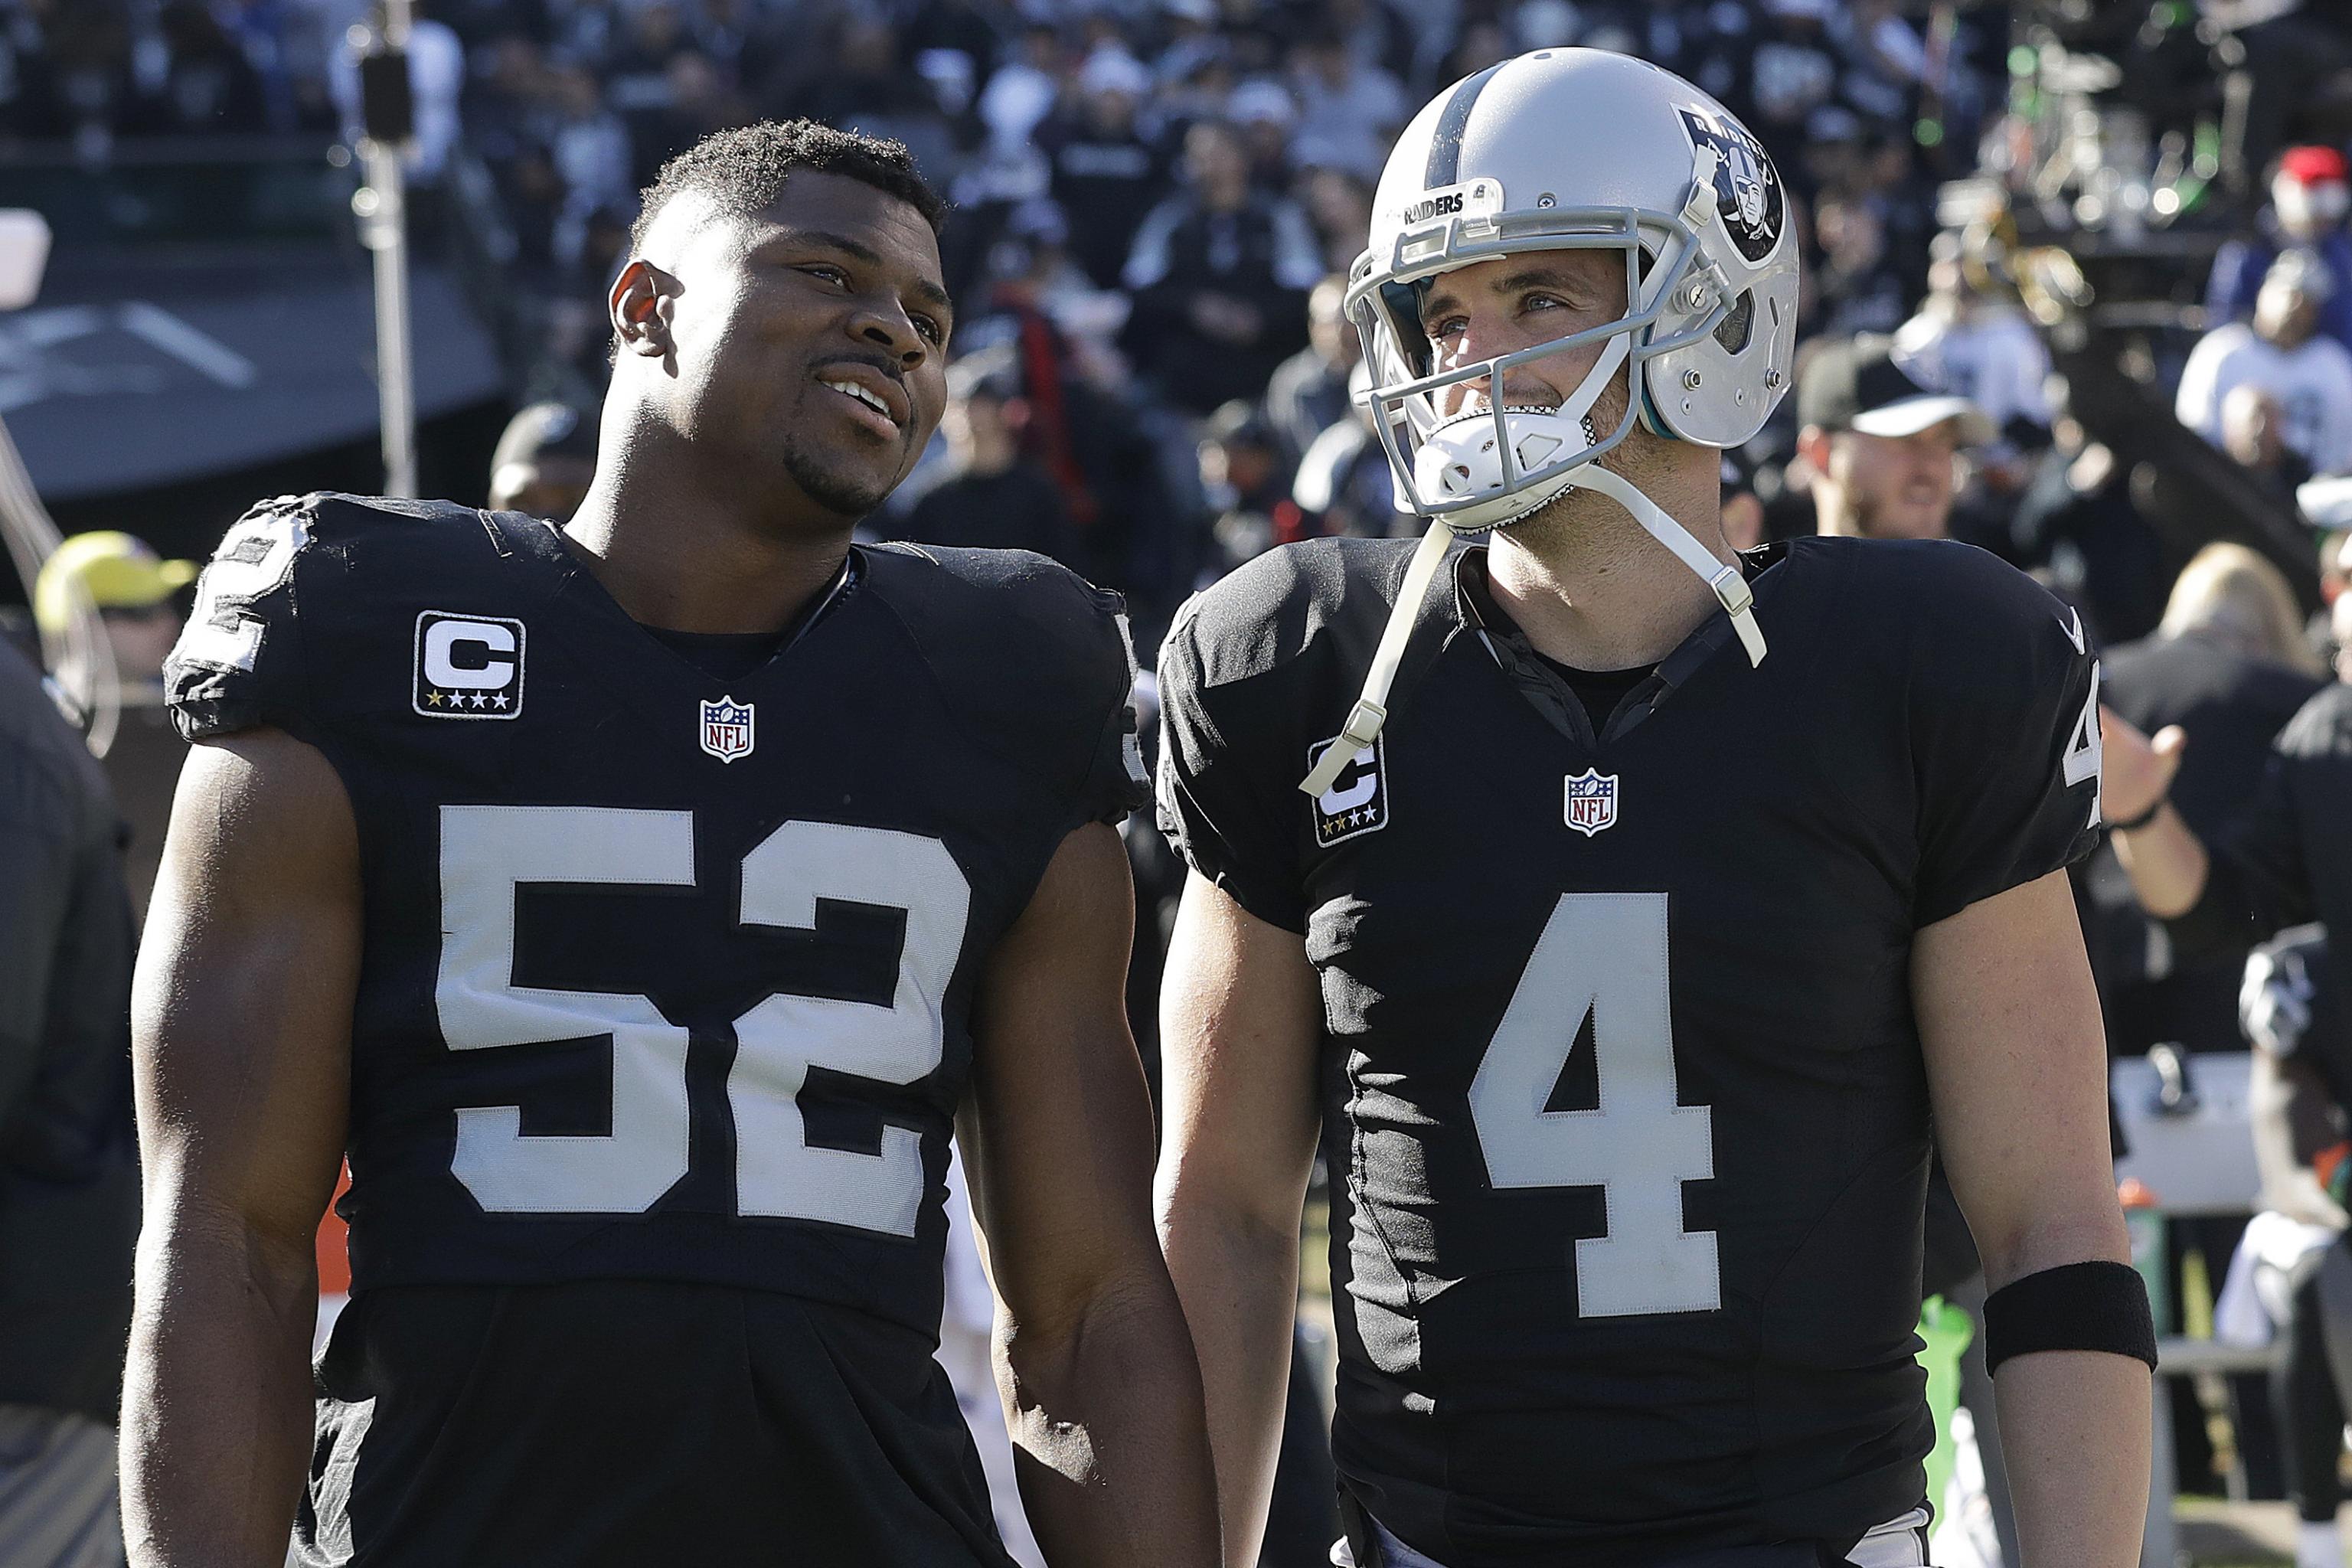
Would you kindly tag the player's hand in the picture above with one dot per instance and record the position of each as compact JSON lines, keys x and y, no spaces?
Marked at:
{"x":2135,"y":771}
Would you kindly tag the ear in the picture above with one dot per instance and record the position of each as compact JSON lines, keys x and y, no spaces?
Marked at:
{"x":1813,"y":446}
{"x":643,"y":299}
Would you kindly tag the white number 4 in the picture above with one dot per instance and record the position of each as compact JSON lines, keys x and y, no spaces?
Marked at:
{"x":1604,"y":954}
{"x":2084,"y":756}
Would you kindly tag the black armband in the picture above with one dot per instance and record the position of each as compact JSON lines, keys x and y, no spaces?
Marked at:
{"x":2074,"y":1306}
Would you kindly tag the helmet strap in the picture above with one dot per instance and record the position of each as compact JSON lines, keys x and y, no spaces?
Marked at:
{"x":1363,"y":725}
{"x":1730,"y":587}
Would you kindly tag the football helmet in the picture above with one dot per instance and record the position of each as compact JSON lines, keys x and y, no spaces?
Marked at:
{"x":1556,"y":150}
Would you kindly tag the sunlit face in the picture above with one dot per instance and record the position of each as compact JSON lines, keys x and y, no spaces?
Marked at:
{"x":2286,"y":311}
{"x":789,"y":328}
{"x":1896,"y":486}
{"x":1493,"y":308}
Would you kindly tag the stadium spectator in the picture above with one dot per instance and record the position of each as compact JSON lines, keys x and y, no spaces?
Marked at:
{"x":1107,"y":173}
{"x":995,"y":497}
{"x":1971,"y":337}
{"x":1247,"y":486}
{"x":436,"y":77}
{"x":1859,"y":285}
{"x":68,"y":1178}
{"x":2254,"y":434}
{"x":2076,"y":524}
{"x":2229,"y":665}
{"x":1773,"y":66}
{"x":2287,"y":1280}
{"x":134,"y":593}
{"x":1344,"y":484}
{"x":1743,"y":510}
{"x":544,"y":460}
{"x":1879,"y":446}
{"x":1348,"y":111}
{"x":1220,"y":275}
{"x":2281,"y":351}
{"x":208,"y":85}
{"x":2311,"y":195}
{"x":1308,"y":392}
{"x":591,"y":156}
{"x":2284,"y":861}
{"x":1021,"y":92}
{"x":1340,"y":206}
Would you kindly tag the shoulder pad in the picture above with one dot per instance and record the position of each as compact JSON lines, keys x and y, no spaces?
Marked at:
{"x":1934,"y":592}
{"x":239,"y":661}
{"x":1037,"y":659}
{"x":1326,"y":597}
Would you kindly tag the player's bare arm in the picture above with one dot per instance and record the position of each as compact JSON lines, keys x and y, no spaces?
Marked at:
{"x":2162,"y":855}
{"x":1240,"y":1027}
{"x":2009,"y":1022}
{"x":242,"y":1019}
{"x":1102,"y":1389}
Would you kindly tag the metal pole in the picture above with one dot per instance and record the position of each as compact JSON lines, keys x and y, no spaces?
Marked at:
{"x":382,"y":206}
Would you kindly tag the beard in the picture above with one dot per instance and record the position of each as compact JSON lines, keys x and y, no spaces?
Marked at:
{"x":834,"y":483}
{"x":1895,"y":516}
{"x":1633,"y":458}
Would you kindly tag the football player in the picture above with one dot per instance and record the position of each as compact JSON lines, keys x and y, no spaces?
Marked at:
{"x":640,"y":905}
{"x":1623,"y":937}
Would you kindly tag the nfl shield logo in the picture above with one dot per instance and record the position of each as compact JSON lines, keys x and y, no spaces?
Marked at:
{"x":1591,"y":801}
{"x":726,"y":729}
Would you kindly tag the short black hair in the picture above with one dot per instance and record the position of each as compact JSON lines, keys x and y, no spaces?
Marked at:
{"x":744,"y":170}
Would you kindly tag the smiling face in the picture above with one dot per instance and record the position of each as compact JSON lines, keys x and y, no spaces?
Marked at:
{"x":807,"y":343}
{"x":1894,"y":487}
{"x":1493,"y":308}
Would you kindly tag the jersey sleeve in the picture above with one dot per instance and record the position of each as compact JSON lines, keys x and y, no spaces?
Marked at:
{"x":2005,"y":734}
{"x":238,"y":664}
{"x":1116,"y":784}
{"x":1224,"y":807}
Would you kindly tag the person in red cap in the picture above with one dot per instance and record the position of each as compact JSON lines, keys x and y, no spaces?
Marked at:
{"x":2311,"y":194}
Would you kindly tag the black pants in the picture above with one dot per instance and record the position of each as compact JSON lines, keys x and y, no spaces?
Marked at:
{"x":626,"y":1423}
{"x":2310,"y":1408}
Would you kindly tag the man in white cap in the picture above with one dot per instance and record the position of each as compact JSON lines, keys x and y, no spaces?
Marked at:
{"x":2282,"y":352}
{"x":2311,"y":195}
{"x":1880,"y":444}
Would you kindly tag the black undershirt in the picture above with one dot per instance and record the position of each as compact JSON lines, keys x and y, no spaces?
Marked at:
{"x":731,"y":656}
{"x":724,"y":655}
{"x":1600,"y":689}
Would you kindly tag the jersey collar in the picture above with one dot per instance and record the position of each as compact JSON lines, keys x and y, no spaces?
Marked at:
{"x":1482,"y":617}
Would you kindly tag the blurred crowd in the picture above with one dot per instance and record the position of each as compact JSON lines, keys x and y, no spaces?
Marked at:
{"x":1148,"y":194}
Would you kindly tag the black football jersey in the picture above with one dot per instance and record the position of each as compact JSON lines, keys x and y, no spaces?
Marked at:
{"x":666,"y":976}
{"x":1625,"y":1103}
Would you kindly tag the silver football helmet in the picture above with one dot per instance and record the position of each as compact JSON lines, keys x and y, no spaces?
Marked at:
{"x":1557,"y":150}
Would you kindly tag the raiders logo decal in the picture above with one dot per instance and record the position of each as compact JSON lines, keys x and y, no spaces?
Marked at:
{"x":1747,"y":187}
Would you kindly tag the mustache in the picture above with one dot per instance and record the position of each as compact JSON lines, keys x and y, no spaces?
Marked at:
{"x":876,"y":363}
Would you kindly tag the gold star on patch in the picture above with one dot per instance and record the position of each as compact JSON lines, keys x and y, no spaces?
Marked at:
{"x":434,"y":697}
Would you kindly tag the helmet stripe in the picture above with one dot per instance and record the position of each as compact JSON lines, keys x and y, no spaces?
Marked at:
{"x":1445,"y":142}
